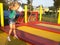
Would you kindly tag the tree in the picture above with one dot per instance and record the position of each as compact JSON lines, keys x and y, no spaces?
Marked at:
{"x":29,"y":2}
{"x":5,"y":6}
{"x":57,"y":3}
{"x":52,"y":8}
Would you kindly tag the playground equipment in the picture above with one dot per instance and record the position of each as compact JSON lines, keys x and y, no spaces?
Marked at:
{"x":36,"y":13}
{"x":1,"y":15}
{"x":28,"y":17}
{"x":38,"y":35}
{"x":33,"y":17}
{"x":40,"y":17}
{"x":59,"y":16}
{"x":25,"y":15}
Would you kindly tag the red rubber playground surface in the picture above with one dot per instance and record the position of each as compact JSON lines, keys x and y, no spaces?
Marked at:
{"x":37,"y":34}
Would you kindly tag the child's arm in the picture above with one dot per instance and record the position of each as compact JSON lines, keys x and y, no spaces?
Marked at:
{"x":9,"y":8}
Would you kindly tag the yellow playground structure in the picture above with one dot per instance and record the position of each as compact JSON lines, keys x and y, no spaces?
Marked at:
{"x":36,"y":34}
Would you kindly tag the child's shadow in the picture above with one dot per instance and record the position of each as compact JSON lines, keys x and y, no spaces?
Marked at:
{"x":15,"y":42}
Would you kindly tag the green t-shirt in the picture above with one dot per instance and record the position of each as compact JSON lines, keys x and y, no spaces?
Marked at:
{"x":12,"y":14}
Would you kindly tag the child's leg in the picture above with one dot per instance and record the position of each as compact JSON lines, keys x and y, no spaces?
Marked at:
{"x":10,"y":31}
{"x":14,"y":31}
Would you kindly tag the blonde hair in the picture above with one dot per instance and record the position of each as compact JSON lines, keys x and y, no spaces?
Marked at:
{"x":14,"y":5}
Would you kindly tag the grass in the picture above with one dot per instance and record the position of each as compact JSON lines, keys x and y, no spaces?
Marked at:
{"x":49,"y":19}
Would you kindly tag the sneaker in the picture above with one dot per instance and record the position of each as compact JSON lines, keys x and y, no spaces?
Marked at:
{"x":9,"y":38}
{"x":16,"y":36}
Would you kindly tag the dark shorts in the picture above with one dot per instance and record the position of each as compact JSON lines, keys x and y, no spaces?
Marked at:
{"x":11,"y":21}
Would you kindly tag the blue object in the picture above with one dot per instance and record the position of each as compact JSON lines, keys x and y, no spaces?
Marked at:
{"x":6,"y":14}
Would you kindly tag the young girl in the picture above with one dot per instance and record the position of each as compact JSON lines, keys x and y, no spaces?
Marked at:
{"x":13,"y":7}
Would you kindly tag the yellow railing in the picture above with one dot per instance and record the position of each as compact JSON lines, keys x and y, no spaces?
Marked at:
{"x":1,"y":15}
{"x":25,"y":14}
{"x":59,"y":16}
{"x":41,"y":11}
